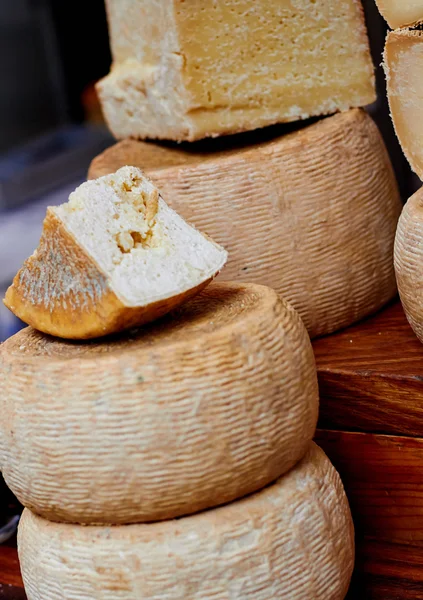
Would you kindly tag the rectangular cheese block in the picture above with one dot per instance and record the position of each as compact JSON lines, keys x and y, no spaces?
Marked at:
{"x":189,"y":69}
{"x":399,"y":13}
{"x":403,"y":61}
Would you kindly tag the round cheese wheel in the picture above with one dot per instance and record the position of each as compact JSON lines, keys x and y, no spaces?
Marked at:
{"x":205,"y":406}
{"x":292,"y":540}
{"x":300,"y":213}
{"x":409,"y":261}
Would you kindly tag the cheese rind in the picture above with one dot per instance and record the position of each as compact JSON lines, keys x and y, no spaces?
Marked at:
{"x":300,"y":213}
{"x":294,"y":539}
{"x":409,"y":261}
{"x":114,"y":257}
{"x":403,"y":62}
{"x":188,"y":70}
{"x":193,"y":411}
{"x":400,"y":13}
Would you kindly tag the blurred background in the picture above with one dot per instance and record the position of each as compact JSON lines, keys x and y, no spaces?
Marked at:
{"x":51,"y":55}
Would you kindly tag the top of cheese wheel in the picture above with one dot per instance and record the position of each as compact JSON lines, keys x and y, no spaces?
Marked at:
{"x":400,"y":13}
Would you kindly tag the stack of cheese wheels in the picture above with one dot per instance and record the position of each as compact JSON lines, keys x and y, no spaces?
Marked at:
{"x":403,"y":62}
{"x":212,"y":404}
{"x":300,"y":213}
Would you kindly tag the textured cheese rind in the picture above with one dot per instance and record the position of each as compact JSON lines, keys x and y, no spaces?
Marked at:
{"x":400,"y":13}
{"x":302,"y":213}
{"x":185,"y":71}
{"x":293,"y":540}
{"x":82,"y":283}
{"x":206,"y":406}
{"x":409,"y":261}
{"x":403,"y":62}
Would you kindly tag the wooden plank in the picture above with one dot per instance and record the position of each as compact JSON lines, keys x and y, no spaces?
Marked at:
{"x":371,"y":376}
{"x":383,"y":479}
{"x":10,"y":574}
{"x":386,"y":571}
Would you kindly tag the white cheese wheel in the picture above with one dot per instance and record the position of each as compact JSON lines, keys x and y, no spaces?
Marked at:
{"x":300,"y":213}
{"x":403,"y":63}
{"x":205,"y":406}
{"x":409,"y":261}
{"x":293,"y":540}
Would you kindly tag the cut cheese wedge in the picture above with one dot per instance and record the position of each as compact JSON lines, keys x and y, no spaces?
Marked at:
{"x":400,"y":13}
{"x":114,"y":257}
{"x":201,"y":408}
{"x":185,"y":71}
{"x":409,"y":261}
{"x":292,"y":540}
{"x":312,"y":214}
{"x":403,"y":61}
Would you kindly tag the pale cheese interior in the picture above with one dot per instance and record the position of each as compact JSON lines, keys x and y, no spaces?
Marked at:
{"x":404,"y":61}
{"x":400,"y":13}
{"x":147,"y":251}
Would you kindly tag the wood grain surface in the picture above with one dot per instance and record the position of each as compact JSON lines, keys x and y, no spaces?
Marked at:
{"x":383,"y":479}
{"x":371,"y":376}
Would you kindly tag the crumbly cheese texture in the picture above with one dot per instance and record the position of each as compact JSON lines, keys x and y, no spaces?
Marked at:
{"x":146,"y":249}
{"x":185,"y":69}
{"x":403,"y":62}
{"x":399,"y":13}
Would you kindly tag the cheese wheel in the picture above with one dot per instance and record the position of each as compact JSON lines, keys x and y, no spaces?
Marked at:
{"x":403,"y":62}
{"x":399,"y":13}
{"x":300,"y":213}
{"x":189,"y":70}
{"x":409,"y":261}
{"x":203,"y":407}
{"x":292,"y":540}
{"x":114,"y":257}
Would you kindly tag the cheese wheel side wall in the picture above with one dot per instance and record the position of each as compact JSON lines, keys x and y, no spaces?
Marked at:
{"x":409,"y":261}
{"x":312,"y":214}
{"x":292,"y":540}
{"x":167,"y":430}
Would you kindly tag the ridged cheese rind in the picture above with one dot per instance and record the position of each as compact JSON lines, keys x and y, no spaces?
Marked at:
{"x":400,"y":13}
{"x":292,"y":540}
{"x":208,"y":405}
{"x":312,"y":214}
{"x":409,"y":261}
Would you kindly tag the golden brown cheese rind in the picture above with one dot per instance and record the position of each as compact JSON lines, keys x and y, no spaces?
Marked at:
{"x":294,"y":539}
{"x":300,"y":213}
{"x":205,"y":406}
{"x":61,"y":291}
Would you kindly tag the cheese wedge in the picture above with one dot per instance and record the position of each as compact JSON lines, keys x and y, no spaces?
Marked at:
{"x":196,"y":410}
{"x":189,"y":70}
{"x":294,"y":539}
{"x":115,"y":256}
{"x":403,"y":61}
{"x":409,"y":261}
{"x":312,"y":214}
{"x":400,"y":13}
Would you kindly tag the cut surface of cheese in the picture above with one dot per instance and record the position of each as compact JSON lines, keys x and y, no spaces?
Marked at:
{"x":113,"y":257}
{"x":403,"y":61}
{"x":409,"y":261}
{"x":293,"y":539}
{"x":207,"y":405}
{"x":186,"y":70}
{"x":400,"y":13}
{"x":300,"y":213}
